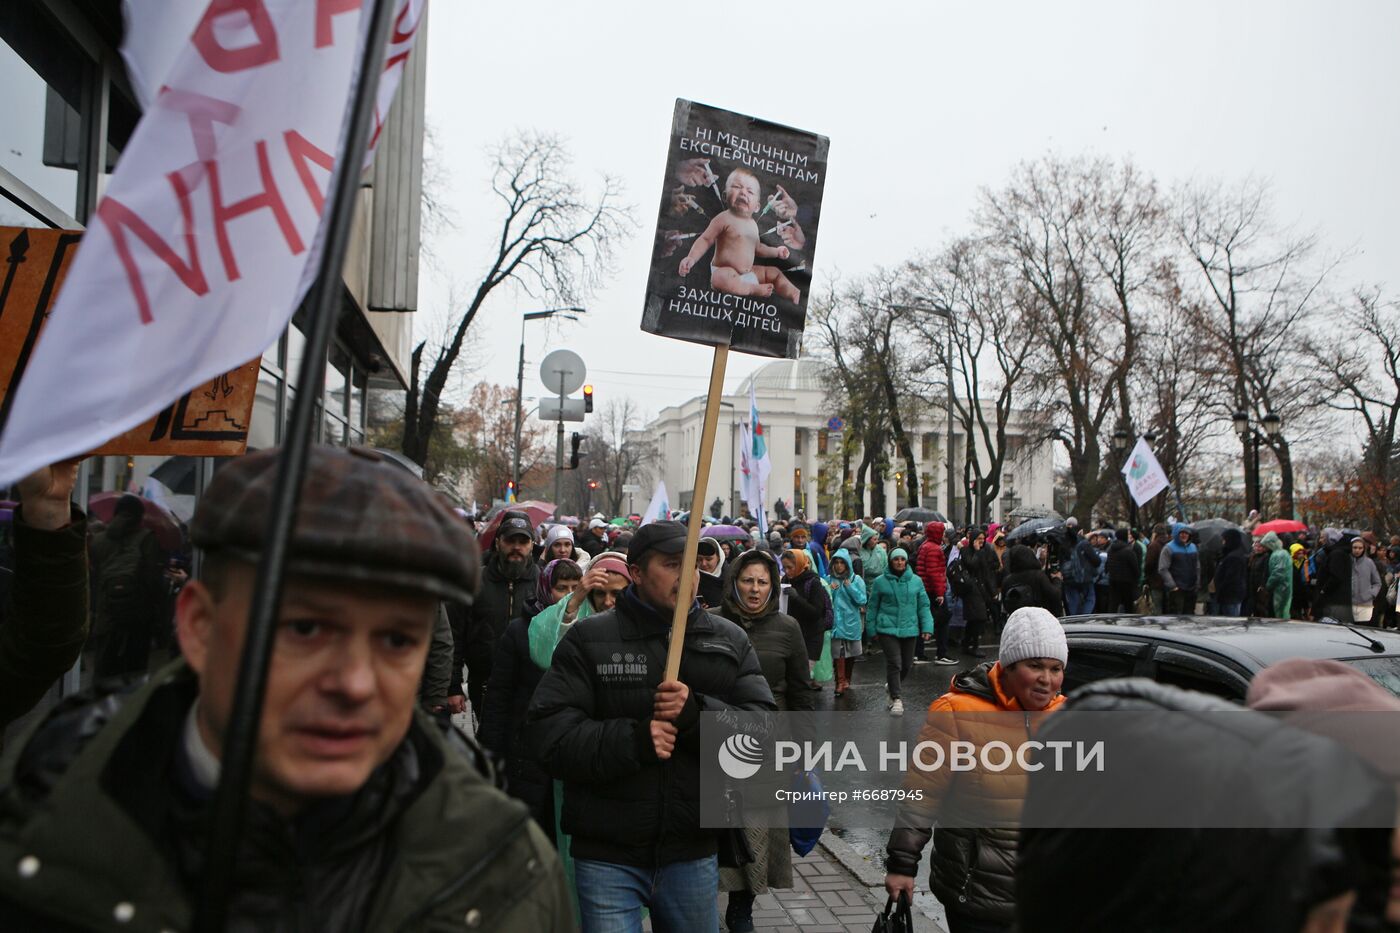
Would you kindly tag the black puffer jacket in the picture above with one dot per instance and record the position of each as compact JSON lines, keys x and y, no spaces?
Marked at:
{"x":477,"y":628}
{"x":1087,"y":880}
{"x":1027,"y":576}
{"x":1123,"y":566}
{"x":1231,"y":570}
{"x":810,"y":604}
{"x":981,"y":569}
{"x":514,"y":678}
{"x":590,"y":727}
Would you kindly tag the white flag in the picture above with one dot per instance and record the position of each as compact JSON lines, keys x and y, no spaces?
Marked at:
{"x":754,"y":464}
{"x":1144,"y":474}
{"x":659,"y":509}
{"x":211,"y":228}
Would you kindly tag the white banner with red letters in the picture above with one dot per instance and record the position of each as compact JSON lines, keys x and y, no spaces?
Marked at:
{"x":207,"y":237}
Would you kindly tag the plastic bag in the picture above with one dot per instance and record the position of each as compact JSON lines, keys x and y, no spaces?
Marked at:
{"x":824,"y":671}
{"x":807,"y":813}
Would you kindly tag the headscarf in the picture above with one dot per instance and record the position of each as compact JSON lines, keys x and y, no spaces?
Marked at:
{"x":733,"y":605}
{"x":1297,"y":551}
{"x":545,"y":591}
{"x":800,"y":559}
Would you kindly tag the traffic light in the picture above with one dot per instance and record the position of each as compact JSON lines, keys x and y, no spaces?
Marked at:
{"x":593,"y":484}
{"x":587,"y":399}
{"x":575,"y":441}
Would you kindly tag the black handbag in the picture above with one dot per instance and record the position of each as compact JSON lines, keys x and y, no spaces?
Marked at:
{"x":896,"y":917}
{"x":733,"y":843}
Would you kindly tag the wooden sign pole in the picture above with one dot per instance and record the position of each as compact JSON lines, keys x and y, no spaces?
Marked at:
{"x":697,"y":511}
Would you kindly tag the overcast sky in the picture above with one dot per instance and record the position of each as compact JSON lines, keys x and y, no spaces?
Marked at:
{"x":925,"y":104}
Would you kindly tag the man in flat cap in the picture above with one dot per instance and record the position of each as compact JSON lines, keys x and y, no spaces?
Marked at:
{"x":625,"y":743}
{"x":366,"y":813}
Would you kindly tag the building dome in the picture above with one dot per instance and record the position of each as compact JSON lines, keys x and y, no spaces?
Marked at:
{"x":785,"y":376}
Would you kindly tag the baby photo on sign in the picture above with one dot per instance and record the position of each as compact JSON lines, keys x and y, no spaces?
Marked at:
{"x":735,"y":238}
{"x":736,"y":232}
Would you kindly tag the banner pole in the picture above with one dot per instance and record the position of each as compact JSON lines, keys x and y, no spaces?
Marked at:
{"x":697,"y":510}
{"x":322,"y":305}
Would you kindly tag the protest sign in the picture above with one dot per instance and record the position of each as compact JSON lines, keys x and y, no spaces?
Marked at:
{"x":736,"y":232}
{"x":210,"y":421}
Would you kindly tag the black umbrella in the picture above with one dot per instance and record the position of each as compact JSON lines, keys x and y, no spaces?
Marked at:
{"x":922,"y":516}
{"x":1209,"y":530}
{"x":1032,"y":527}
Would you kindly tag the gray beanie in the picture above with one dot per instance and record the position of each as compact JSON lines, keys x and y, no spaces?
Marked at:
{"x":1032,"y":632}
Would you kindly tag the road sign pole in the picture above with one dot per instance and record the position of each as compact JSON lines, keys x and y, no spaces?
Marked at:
{"x":559,"y":447}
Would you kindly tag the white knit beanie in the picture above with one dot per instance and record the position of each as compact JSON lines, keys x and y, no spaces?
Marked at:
{"x":557,"y":533}
{"x":1032,"y":632}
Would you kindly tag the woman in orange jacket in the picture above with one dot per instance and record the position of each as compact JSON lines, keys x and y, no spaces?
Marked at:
{"x":974,"y":848}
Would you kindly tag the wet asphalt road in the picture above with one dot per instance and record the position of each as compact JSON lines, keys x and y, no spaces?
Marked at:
{"x":925,"y":683}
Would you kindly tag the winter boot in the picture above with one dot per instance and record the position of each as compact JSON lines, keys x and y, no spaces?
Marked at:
{"x":738,"y":915}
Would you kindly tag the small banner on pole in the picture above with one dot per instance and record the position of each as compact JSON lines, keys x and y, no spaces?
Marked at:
{"x":1144,"y":474}
{"x":659,"y":509}
{"x":736,"y":233}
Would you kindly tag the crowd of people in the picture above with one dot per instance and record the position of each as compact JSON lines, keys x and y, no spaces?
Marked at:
{"x":575,"y":800}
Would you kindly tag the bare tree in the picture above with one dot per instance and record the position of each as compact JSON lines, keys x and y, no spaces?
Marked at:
{"x":556,"y":243}
{"x":1078,"y":234}
{"x":1258,"y":285}
{"x":975,"y":304}
{"x":1361,"y":356}
{"x":617,"y":456}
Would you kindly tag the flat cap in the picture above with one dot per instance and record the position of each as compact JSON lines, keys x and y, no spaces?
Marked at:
{"x":361,"y":519}
{"x":662,"y":537}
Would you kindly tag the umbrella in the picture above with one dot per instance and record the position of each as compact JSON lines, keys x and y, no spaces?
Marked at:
{"x":1032,"y":527}
{"x":1279,"y":525}
{"x":1209,"y":530}
{"x":922,"y":516}
{"x":1031,"y":511}
{"x":534,"y":510}
{"x":725,"y":533}
{"x":162,"y":524}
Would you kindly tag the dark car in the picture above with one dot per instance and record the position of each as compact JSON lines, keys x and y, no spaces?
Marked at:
{"x":1215,"y":654}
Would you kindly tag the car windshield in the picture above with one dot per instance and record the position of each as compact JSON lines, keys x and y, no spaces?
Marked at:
{"x":1384,"y":671}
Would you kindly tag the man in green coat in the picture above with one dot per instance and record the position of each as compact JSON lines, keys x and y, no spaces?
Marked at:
{"x":898,"y":612}
{"x":1279,"y":581}
{"x":365,"y":813}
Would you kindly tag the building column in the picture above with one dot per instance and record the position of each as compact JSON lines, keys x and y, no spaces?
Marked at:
{"x":891,"y":496}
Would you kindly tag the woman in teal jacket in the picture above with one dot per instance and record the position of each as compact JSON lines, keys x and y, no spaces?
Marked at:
{"x":847,"y":596}
{"x":898,"y":612}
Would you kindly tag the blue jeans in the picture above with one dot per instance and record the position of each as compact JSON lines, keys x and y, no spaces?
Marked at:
{"x":1229,"y":609}
{"x":1079,"y":598}
{"x":682,"y":896}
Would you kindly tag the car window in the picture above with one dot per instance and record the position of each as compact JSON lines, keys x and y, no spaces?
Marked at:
{"x":1384,"y":671}
{"x":1094,"y":659}
{"x":1190,"y":671}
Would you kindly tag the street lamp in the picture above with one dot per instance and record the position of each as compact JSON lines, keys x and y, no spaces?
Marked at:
{"x":568,"y":313}
{"x":928,"y":306}
{"x":1273,"y":427}
{"x":1120,"y":444}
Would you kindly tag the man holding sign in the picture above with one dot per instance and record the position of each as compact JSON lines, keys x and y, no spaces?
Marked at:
{"x":625,"y":741}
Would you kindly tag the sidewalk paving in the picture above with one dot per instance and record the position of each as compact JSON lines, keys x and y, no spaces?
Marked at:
{"x":825,"y":897}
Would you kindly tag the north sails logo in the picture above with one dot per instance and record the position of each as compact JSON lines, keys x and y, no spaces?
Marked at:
{"x":740,"y":756}
{"x":623,"y":667}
